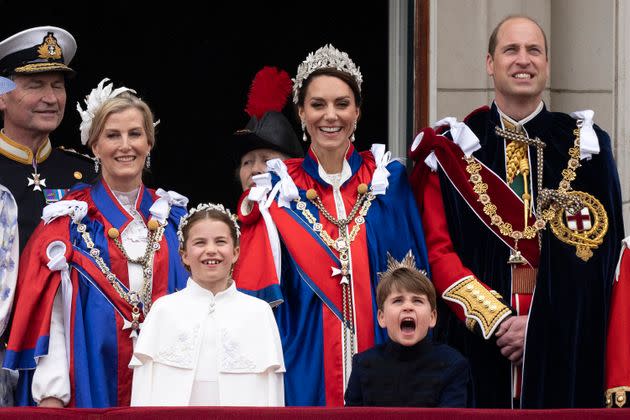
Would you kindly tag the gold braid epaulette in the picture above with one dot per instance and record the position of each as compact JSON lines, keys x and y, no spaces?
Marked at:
{"x":482,"y":307}
{"x":617,"y":396}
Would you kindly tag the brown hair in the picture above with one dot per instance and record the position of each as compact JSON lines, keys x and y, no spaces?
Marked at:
{"x":213,"y":215}
{"x":117,"y":104}
{"x":330,"y":71}
{"x":405,"y":279}
{"x":492,"y":42}
{"x":210,"y":214}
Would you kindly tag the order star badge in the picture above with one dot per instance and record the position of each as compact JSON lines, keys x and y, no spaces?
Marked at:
{"x":36,"y":182}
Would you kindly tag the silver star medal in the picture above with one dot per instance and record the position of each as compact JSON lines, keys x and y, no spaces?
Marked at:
{"x":36,"y":182}
{"x":344,"y":273}
{"x":134,"y":329}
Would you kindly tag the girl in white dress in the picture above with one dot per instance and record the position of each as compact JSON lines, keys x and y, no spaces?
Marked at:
{"x":208,"y":344}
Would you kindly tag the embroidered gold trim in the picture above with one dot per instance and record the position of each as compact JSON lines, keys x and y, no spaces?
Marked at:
{"x":9,"y":147}
{"x":49,"y":49}
{"x":481,"y":306}
{"x":620,"y":398}
{"x":41,"y":67}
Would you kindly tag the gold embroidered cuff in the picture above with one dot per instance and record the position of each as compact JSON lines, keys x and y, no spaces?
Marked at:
{"x":617,"y":396}
{"x":482,"y":307}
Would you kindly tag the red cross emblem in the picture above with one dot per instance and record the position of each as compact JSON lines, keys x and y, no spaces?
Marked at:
{"x":579,"y":221}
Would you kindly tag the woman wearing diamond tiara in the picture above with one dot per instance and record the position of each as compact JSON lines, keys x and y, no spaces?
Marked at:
{"x":321,"y":232}
{"x":94,"y":266}
{"x":208,"y":344}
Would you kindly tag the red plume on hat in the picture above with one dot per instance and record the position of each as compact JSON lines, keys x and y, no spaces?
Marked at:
{"x":269,"y":91}
{"x":267,"y":127}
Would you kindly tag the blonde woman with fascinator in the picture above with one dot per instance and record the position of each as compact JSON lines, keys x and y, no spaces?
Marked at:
{"x":95,"y":265}
{"x":320,"y":233}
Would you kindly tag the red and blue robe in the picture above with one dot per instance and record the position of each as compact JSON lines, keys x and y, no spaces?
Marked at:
{"x":100,"y":349}
{"x":309,"y":315}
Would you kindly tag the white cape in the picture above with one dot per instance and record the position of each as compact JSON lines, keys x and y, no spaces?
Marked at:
{"x":250,"y":362}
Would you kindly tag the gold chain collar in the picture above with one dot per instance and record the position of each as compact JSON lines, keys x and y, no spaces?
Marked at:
{"x":554,"y":200}
{"x":342,"y":246}
{"x":342,"y":243}
{"x":156,"y":231}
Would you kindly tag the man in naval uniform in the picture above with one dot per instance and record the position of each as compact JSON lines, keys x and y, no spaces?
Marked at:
{"x":36,"y":173}
{"x":522,"y":215}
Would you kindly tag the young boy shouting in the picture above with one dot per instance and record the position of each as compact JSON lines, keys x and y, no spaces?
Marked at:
{"x":409,"y":370}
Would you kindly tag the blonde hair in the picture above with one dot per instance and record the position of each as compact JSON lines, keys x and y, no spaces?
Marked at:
{"x":117,"y":104}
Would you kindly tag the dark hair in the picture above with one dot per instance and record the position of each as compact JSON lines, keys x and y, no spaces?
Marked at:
{"x":405,"y":279}
{"x":330,"y":71}
{"x":492,"y":42}
{"x":211,"y":214}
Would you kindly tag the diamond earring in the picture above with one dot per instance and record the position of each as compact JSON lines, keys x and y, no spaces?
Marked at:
{"x":97,"y":164}
{"x":147,"y":162}
{"x":304,"y":138}
{"x":353,"y":131}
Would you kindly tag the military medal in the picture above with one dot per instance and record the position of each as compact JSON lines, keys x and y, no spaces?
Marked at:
{"x":36,"y":181}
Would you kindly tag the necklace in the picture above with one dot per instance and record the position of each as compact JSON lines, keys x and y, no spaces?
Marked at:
{"x":551,"y":200}
{"x":342,"y":246}
{"x":136,"y":299}
{"x":342,"y":243}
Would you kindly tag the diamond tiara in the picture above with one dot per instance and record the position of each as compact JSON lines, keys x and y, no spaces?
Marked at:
{"x":325,"y":57}
{"x":409,"y":262}
{"x":205,"y":207}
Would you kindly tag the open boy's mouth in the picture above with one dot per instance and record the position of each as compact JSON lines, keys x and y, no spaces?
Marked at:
{"x":408,"y":325}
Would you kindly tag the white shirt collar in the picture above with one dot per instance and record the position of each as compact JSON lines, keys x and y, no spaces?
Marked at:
{"x":525,"y":120}
{"x":332,"y":179}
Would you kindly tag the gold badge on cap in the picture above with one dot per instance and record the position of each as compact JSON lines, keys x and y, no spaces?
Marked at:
{"x":49,"y":49}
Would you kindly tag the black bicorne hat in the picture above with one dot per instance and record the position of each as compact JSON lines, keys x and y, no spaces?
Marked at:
{"x":272,"y":131}
{"x":268,"y":128}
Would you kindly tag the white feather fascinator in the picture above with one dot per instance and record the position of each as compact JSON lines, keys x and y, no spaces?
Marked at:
{"x":93,"y":102}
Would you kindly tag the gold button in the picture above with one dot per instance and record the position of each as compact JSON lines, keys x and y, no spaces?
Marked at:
{"x":362,"y":188}
{"x":113,"y":233}
{"x":78,"y":175}
{"x":153,"y":224}
{"x":311,"y":194}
